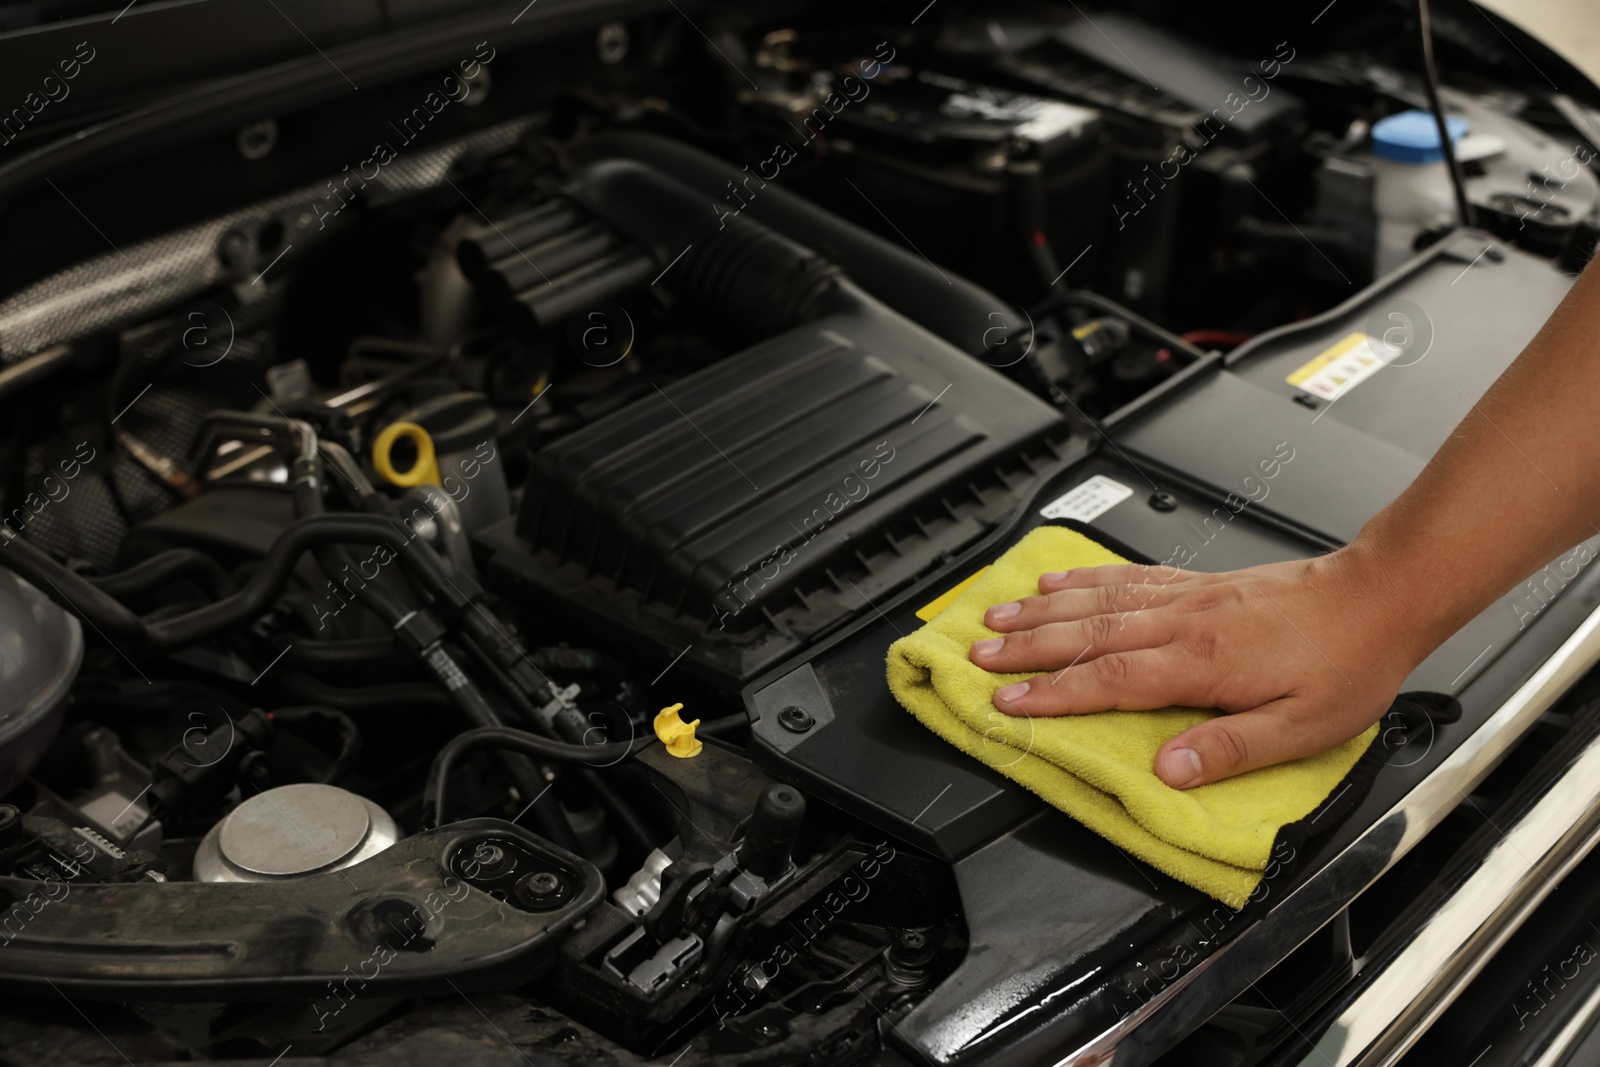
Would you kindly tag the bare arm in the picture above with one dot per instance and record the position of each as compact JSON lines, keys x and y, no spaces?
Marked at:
{"x":1308,"y":654}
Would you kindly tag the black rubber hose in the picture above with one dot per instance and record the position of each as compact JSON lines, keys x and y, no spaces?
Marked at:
{"x":69,"y":589}
{"x":23,"y":373}
{"x":531,"y":781}
{"x":82,"y":597}
{"x":165,"y":567}
{"x":355,"y":652}
{"x":759,"y":282}
{"x":306,"y":472}
{"x":616,"y":808}
{"x":352,"y":481}
{"x":433,"y":793}
{"x":613,"y":804}
{"x":943,"y":302}
{"x":409,"y":696}
{"x":620,"y":813}
{"x":728,"y":724}
{"x":521,"y":705}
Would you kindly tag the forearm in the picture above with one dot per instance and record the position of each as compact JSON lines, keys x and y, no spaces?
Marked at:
{"x":1515,"y":484}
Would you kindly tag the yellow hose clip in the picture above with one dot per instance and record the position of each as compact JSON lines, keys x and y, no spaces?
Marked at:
{"x":424,"y":471}
{"x":677,"y":735}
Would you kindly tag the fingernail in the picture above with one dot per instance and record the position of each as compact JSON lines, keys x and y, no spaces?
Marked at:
{"x":1001,"y":612}
{"x":1180,"y":766}
{"x":1052,"y":576}
{"x":1013,"y":692}
{"x":988,"y":646}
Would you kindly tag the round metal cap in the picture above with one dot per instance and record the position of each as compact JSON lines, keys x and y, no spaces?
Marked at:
{"x":293,"y":830}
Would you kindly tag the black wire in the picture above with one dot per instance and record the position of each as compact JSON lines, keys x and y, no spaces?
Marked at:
{"x":531,"y":781}
{"x":1136,"y":322}
{"x":83,"y":598}
{"x":433,"y":794}
{"x":349,"y":736}
{"x":1430,"y":85}
{"x":622,"y":815}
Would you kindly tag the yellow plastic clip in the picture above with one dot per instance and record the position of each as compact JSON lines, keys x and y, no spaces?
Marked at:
{"x":424,"y":471}
{"x":676,"y":734}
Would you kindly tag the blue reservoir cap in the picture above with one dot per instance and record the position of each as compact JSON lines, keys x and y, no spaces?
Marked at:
{"x":1413,"y":137}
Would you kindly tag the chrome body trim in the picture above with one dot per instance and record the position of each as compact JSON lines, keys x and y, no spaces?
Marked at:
{"x":1449,"y":949}
{"x":1564,"y":1043}
{"x":1234,"y":967}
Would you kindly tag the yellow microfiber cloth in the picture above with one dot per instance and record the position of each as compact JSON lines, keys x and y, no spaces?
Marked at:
{"x":1099,"y":768}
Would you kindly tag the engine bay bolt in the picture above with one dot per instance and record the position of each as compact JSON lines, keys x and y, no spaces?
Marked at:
{"x":488,"y":860}
{"x":611,"y":43}
{"x":752,"y":978}
{"x":909,"y":961}
{"x":400,"y":924}
{"x":541,"y":891}
{"x":795,"y":719}
{"x":256,"y":140}
{"x":1163,"y":501}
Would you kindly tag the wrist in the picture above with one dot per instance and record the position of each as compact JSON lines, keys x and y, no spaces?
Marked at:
{"x":1380,"y":591}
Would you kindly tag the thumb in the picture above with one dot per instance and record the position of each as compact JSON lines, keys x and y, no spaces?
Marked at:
{"x":1232,"y":744}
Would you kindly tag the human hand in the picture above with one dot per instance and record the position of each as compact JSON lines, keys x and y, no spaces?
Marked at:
{"x":1302,"y":655}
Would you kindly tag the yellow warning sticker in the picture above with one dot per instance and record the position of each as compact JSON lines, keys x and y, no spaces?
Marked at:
{"x":948,"y":597}
{"x":1348,"y":362}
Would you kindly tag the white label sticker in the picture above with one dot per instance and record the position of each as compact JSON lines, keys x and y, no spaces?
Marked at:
{"x":1340,"y":368}
{"x":1094,"y":497}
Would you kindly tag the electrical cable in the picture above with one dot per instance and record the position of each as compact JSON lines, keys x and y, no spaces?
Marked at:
{"x":1430,"y":85}
{"x":349,"y":736}
{"x":531,"y":781}
{"x":567,"y":721}
{"x":1136,"y":321}
{"x":433,"y":794}
{"x":622,"y":815}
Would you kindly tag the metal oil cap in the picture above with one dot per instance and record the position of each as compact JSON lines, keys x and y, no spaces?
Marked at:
{"x":292,"y":831}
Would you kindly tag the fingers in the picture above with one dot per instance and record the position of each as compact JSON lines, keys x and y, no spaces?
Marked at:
{"x":1068,"y":605}
{"x":1232,"y":744}
{"x":1139,"y":680}
{"x":1111,"y":574}
{"x":1056,"y":644}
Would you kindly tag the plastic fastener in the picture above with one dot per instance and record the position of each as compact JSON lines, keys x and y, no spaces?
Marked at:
{"x":677,"y":735}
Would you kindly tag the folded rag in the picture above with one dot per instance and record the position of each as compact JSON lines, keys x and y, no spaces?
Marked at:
{"x":1099,"y":768}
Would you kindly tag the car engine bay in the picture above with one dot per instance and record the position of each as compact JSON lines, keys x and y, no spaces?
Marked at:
{"x":451,"y":537}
